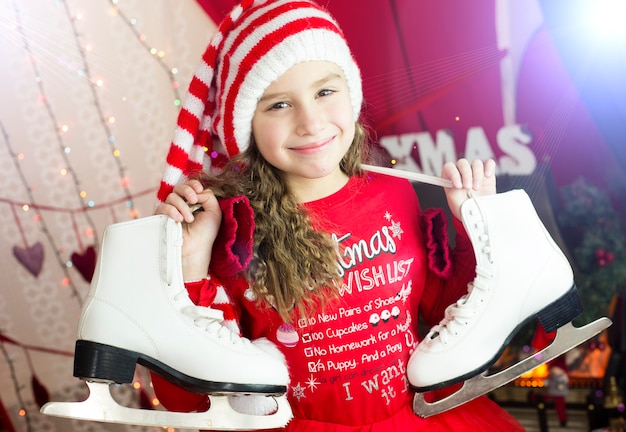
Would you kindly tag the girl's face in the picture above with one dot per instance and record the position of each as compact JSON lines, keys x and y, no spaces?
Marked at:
{"x":303,"y":125}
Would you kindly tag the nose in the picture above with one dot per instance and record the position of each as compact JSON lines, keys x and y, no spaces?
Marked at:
{"x":310,"y":119}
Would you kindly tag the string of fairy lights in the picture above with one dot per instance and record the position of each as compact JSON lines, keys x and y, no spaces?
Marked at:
{"x":58,"y":129}
{"x":86,"y":202}
{"x":157,"y":54}
{"x":85,"y":72}
{"x":16,"y":386}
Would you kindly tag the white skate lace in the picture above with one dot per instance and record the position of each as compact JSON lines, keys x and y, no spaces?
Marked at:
{"x":212,"y":321}
{"x":209,"y":319}
{"x":459,"y":314}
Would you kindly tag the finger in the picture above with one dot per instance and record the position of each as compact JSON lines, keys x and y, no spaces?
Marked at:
{"x":465,"y":170}
{"x":169,"y":210}
{"x":450,"y":171}
{"x":186,"y":192}
{"x":196,"y":185}
{"x":180,"y":205}
{"x":208,"y":200}
{"x":478,"y":173}
{"x":490,"y":168}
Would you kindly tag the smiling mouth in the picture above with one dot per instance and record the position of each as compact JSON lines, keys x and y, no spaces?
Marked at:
{"x":313,"y":147}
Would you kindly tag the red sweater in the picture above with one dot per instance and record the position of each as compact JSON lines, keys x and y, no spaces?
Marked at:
{"x":347,"y":363}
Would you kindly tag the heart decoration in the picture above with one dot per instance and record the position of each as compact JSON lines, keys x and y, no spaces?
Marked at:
{"x":31,"y":257}
{"x":42,"y":396}
{"x":85,"y":263}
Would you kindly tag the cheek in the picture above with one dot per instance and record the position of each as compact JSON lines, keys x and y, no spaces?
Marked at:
{"x":342,"y":115}
{"x":264,"y":133}
{"x":344,"y":120}
{"x":351,"y":129}
{"x":268,"y":139}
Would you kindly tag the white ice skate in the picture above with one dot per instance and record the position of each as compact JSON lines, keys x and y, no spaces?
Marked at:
{"x":138,"y":312}
{"x":520,"y":274}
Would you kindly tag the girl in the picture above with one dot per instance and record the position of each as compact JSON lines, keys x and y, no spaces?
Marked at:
{"x":331,"y":263}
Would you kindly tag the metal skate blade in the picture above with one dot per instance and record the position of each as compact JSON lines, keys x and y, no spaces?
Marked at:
{"x":567,"y":337}
{"x":101,"y":407}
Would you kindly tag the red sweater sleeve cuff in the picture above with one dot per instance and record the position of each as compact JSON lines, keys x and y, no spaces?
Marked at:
{"x":232,"y":250}
{"x":437,"y":244}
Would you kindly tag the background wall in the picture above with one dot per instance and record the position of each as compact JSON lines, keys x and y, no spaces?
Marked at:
{"x":89,"y":98}
{"x":89,"y":93}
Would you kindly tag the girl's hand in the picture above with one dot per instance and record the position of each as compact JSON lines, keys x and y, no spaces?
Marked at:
{"x":476,"y":176}
{"x":200,"y":228}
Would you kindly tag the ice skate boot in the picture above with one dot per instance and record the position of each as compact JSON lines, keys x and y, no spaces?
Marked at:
{"x":520,"y":274}
{"x":138,"y":312}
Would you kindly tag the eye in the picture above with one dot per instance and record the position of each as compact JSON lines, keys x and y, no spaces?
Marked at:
{"x":325,"y":92}
{"x":278,"y":106}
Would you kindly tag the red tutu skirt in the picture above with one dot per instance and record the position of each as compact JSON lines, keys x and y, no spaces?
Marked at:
{"x":481,"y":414}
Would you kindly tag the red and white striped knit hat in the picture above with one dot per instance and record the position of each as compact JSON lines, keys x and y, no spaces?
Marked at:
{"x":254,"y":45}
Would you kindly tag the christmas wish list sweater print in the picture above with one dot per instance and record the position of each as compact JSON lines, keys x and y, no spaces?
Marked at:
{"x":347,"y":363}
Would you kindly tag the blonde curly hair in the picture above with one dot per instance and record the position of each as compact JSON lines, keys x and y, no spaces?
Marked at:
{"x":293,"y":265}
